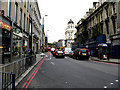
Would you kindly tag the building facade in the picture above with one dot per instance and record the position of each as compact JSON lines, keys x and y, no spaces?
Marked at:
{"x":36,"y":28}
{"x":69,"y":33}
{"x":103,"y":26}
{"x":17,"y":28}
{"x":61,"y":43}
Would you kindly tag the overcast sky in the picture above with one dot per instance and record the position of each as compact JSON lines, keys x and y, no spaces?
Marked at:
{"x":59,"y":13}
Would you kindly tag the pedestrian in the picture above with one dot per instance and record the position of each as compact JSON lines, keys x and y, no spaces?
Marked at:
{"x":91,"y":52}
{"x":108,"y":55}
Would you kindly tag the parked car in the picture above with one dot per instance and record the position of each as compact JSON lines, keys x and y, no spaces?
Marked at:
{"x":81,"y":53}
{"x":60,"y":54}
{"x":71,"y":54}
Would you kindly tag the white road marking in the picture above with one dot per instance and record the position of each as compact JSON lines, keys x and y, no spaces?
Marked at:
{"x":105,"y":86}
{"x":66,"y":82}
{"x":116,"y":80}
{"x":52,"y":63}
{"x":50,"y":56}
{"x":111,"y":83}
{"x":66,"y":57}
{"x":43,"y":71}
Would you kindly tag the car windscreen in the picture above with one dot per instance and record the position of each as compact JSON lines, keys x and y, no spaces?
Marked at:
{"x":84,"y":51}
{"x":60,"y":52}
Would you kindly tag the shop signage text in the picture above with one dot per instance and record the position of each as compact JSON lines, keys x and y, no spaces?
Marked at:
{"x":5,"y":26}
{"x":115,"y":37}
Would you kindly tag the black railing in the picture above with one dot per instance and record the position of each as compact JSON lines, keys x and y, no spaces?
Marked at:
{"x":8,"y":80}
{"x":17,"y":68}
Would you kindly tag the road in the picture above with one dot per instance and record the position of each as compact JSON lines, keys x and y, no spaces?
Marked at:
{"x":70,"y":73}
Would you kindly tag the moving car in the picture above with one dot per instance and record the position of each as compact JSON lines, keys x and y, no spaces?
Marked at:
{"x":81,"y":53}
{"x":60,"y":54}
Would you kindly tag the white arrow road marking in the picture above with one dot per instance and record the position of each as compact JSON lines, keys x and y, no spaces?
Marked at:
{"x":66,"y":57}
{"x":105,"y":86}
{"x":116,"y":80}
{"x":111,"y":83}
{"x":52,"y":63}
{"x":66,"y":82}
{"x":50,"y":56}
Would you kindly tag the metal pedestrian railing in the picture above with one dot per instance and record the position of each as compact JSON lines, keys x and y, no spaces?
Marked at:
{"x":7,"y":80}
{"x":15,"y":69}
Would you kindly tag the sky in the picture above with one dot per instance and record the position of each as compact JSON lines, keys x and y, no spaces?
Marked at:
{"x":59,"y":13}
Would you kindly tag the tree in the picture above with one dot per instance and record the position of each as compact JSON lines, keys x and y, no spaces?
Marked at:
{"x":84,"y":35}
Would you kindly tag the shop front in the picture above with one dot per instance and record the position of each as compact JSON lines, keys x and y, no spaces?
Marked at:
{"x":92,"y":44}
{"x":17,"y":44}
{"x":5,"y":42}
{"x":25,"y":45}
{"x":115,"y":49}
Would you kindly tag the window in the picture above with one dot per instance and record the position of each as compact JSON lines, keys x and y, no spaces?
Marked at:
{"x":93,"y":21}
{"x":24,"y":21}
{"x":25,"y":4}
{"x":16,"y":9}
{"x":27,"y":27}
{"x":30,"y":27}
{"x":106,"y":9}
{"x":114,"y":8}
{"x":107,"y":27}
{"x":102,"y":29}
{"x":114,"y":25}
{"x":101,"y":15}
{"x":9,"y":8}
{"x":28,"y":5}
{"x":21,"y":18}
{"x":16,"y":50}
{"x":25,"y":48}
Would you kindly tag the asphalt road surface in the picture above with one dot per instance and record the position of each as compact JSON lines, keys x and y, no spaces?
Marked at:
{"x":66,"y":72}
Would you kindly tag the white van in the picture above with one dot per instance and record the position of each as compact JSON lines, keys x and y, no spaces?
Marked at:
{"x":67,"y":51}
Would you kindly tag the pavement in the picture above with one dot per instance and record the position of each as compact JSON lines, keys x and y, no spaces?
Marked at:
{"x":38,"y":59}
{"x":111,"y":60}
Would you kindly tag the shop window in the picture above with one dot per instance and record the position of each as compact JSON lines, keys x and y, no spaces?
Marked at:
{"x":6,"y":50}
{"x":16,"y":47}
{"x":25,"y":48}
